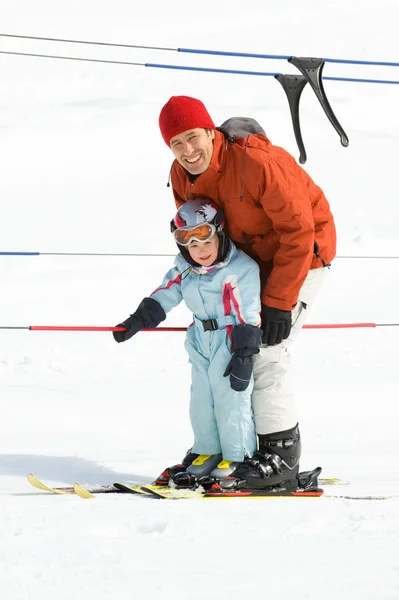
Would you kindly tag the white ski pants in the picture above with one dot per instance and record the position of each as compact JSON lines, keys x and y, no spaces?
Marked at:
{"x":272,"y":396}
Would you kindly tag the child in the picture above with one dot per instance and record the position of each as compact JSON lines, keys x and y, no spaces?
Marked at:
{"x":221,"y":286}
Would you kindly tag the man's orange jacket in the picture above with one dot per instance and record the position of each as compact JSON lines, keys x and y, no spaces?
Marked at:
{"x":275,"y":213}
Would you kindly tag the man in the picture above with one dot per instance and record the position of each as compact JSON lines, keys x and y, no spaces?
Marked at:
{"x":280,"y":218}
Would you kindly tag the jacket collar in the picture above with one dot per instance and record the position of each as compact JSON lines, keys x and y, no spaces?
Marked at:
{"x":219,"y":147}
{"x":183,"y":265}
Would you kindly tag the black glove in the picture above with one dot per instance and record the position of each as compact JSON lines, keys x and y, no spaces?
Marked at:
{"x":276,"y":325}
{"x":149,"y":314}
{"x":246,"y":340}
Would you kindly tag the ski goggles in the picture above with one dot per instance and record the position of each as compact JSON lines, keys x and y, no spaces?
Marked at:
{"x":200,"y":233}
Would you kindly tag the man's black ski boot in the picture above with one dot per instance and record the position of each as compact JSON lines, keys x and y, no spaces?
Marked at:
{"x":170,"y":472}
{"x":275,"y":463}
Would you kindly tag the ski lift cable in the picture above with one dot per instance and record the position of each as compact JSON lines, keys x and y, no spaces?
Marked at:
{"x":158,"y":255}
{"x":188,"y":68}
{"x":197,"y":51}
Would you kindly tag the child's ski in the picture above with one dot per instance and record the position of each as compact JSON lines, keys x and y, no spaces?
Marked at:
{"x":64,"y":490}
{"x":163,"y":492}
{"x":104,"y":489}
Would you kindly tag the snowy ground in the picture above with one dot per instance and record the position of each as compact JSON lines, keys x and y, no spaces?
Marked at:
{"x":84,"y":169}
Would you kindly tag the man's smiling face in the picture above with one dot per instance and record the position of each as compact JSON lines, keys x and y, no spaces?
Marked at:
{"x":193,"y":149}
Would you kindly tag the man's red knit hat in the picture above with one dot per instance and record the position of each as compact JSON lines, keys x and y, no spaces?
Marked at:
{"x":181,"y":113}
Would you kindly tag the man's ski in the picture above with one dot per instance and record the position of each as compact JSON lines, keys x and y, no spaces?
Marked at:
{"x":165,"y":493}
{"x":180,"y":494}
{"x":88,"y":491}
{"x":332,"y":481}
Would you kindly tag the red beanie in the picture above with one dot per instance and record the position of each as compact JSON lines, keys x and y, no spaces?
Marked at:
{"x":181,"y":113}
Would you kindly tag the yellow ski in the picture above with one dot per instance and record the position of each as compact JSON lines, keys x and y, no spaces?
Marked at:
{"x":332,"y":481}
{"x":81,"y":491}
{"x":89,"y":491}
{"x":42,"y":486}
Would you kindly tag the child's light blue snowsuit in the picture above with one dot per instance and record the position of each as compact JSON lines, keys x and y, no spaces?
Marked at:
{"x":229,"y":293}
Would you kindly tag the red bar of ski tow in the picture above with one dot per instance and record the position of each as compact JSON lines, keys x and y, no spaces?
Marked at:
{"x":85,"y":328}
{"x":340,"y":325}
{"x":72,"y":328}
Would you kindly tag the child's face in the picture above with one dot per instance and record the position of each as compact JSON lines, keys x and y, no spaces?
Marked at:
{"x":204,"y":253}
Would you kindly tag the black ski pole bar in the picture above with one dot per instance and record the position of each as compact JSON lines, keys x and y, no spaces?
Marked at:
{"x":197,"y":50}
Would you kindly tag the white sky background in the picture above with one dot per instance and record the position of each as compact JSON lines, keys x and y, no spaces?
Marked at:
{"x":84,"y":169}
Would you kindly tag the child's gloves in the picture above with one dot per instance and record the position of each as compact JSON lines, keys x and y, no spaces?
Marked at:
{"x":246,"y":340}
{"x":148,"y":315}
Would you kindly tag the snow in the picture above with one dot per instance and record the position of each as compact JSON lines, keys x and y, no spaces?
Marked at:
{"x":84,"y":170}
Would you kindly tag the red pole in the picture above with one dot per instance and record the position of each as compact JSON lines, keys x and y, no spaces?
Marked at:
{"x":340,"y":326}
{"x":72,"y":328}
{"x":83,"y":328}
{"x":88,"y":328}
{"x":79,"y":328}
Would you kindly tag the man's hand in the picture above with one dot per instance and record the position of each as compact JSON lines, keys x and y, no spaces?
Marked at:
{"x":276,"y":325}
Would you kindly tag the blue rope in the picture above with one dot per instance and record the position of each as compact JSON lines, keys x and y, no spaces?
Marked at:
{"x":285,"y":57}
{"x":184,"y":68}
{"x":198,"y":51}
{"x":357,"y":80}
{"x":259,"y":73}
{"x":240,"y":54}
{"x":210,"y":70}
{"x":376,"y":63}
{"x":19,"y":253}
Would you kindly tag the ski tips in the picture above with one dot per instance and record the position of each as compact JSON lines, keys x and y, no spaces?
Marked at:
{"x":35,"y":482}
{"x":82,"y":492}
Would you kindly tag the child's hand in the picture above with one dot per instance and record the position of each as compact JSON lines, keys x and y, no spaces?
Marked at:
{"x":149,"y":314}
{"x":246,"y":341}
{"x":240,"y":370}
{"x":132,"y":326}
